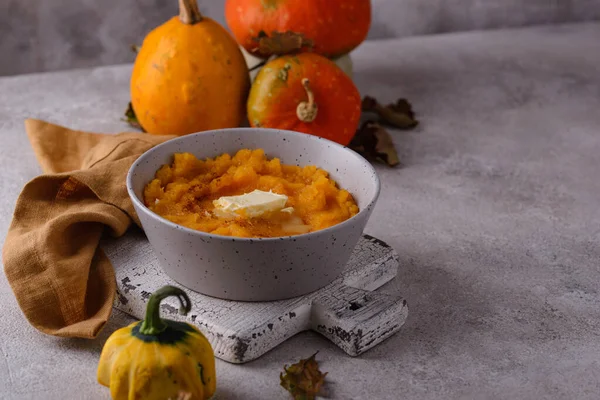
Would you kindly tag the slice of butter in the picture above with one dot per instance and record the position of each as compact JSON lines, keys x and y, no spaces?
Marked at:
{"x":250,"y":205}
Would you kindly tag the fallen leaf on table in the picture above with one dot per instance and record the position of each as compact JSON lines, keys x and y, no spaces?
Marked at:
{"x":303,"y":379}
{"x":131,"y":119}
{"x":280,"y":43}
{"x":399,"y":114}
{"x":372,"y":141}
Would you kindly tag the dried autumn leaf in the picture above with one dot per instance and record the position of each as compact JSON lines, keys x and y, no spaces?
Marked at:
{"x":374,"y":142}
{"x":399,"y":114}
{"x":131,"y":119}
{"x":303,"y":379}
{"x":280,"y":43}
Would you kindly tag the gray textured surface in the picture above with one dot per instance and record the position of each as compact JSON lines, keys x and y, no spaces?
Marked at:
{"x":51,"y":35}
{"x":495,"y":217}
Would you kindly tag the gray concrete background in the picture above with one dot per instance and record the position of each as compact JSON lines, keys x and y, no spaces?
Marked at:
{"x":495,"y":216}
{"x":48,"y":35}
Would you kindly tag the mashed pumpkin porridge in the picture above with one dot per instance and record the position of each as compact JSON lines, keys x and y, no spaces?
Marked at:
{"x":247,"y":195}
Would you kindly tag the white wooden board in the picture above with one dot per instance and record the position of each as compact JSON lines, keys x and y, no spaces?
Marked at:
{"x":349,"y":311}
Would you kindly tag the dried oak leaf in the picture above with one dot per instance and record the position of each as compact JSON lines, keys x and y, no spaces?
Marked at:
{"x":280,"y":43}
{"x":131,"y":118}
{"x":303,"y":379}
{"x":399,"y":114}
{"x":374,"y":142}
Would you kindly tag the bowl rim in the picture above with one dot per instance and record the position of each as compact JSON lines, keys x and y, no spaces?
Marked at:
{"x":140,"y":204}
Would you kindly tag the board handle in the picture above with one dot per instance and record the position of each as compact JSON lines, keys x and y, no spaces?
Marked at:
{"x":356,"y":319}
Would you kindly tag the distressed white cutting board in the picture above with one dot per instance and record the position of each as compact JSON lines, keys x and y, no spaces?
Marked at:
{"x":349,"y":311}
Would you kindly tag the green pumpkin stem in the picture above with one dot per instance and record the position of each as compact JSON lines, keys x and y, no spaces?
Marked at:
{"x":153,"y":324}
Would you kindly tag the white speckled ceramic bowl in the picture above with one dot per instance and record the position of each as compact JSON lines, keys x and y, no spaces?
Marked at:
{"x":256,"y":269}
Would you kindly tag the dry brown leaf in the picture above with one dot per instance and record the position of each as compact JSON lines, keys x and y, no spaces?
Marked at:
{"x":280,"y":43}
{"x":303,"y":380}
{"x":399,"y":114}
{"x":131,"y":118}
{"x":374,"y":142}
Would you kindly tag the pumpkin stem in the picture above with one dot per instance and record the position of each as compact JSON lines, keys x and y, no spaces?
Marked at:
{"x":153,"y":324}
{"x":188,"y":12}
{"x":307,"y":110}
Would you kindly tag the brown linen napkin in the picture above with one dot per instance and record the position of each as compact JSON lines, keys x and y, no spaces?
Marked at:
{"x":63,"y":282}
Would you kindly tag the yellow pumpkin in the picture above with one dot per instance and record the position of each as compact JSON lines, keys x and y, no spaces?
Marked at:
{"x":189,"y":76}
{"x":158,"y":359}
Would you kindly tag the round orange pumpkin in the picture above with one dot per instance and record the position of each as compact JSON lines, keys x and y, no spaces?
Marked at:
{"x":334,"y":27}
{"x":189,"y":76}
{"x":306,"y":93}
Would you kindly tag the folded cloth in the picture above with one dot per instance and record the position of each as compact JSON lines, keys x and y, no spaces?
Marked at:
{"x":62,"y":280}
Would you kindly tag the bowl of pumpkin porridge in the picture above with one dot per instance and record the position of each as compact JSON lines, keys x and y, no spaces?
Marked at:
{"x":252,"y":214}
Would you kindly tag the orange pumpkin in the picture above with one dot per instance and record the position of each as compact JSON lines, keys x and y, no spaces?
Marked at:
{"x":334,"y":27}
{"x":189,"y":76}
{"x":305,"y":93}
